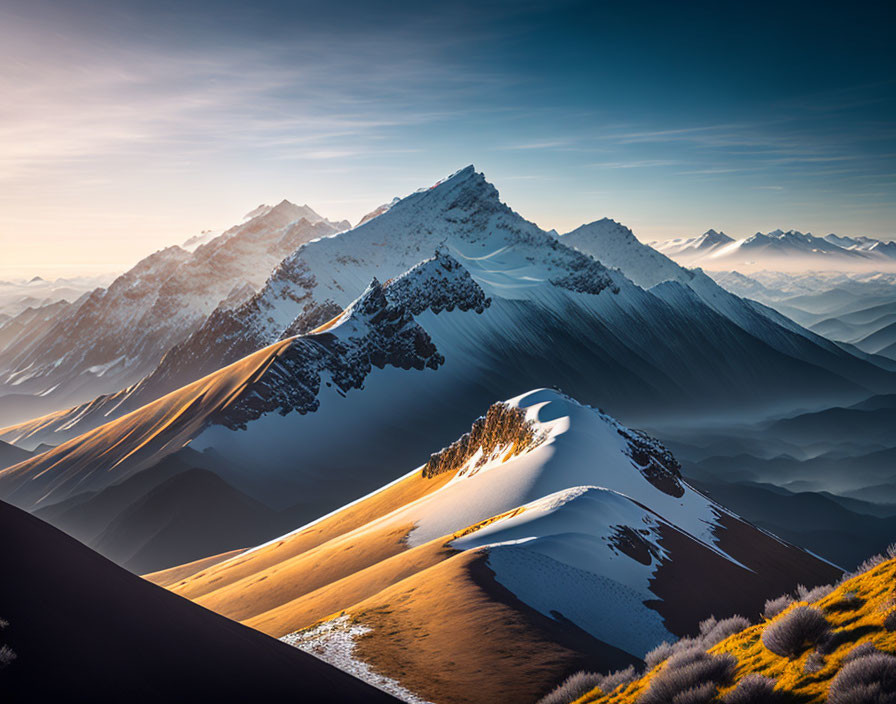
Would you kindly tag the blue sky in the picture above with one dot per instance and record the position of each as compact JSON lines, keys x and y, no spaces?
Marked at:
{"x":127,"y":126}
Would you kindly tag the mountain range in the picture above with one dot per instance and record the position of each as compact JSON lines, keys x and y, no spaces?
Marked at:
{"x":626,"y":326}
{"x":303,"y":414}
{"x":858,"y":311}
{"x":779,"y":249}
{"x":78,"y":350}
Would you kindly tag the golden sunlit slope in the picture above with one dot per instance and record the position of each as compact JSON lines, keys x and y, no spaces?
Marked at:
{"x":116,"y":450}
{"x":444,"y":569}
{"x":430,"y":606}
{"x":308,"y":547}
{"x":860,"y":613}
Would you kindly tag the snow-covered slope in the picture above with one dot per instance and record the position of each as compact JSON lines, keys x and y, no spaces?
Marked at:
{"x":376,"y":331}
{"x":615,"y":245}
{"x":115,"y":335}
{"x":639,"y":349}
{"x":693,"y":246}
{"x":548,"y":512}
{"x":780,"y":249}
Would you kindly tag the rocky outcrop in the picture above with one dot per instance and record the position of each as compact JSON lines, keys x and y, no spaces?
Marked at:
{"x":503,"y":427}
{"x":376,"y":331}
{"x":654,"y":461}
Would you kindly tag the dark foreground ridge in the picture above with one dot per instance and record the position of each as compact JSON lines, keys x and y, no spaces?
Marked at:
{"x":82,"y":629}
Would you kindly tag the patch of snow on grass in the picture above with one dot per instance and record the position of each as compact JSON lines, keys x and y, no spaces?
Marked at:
{"x":334,"y":642}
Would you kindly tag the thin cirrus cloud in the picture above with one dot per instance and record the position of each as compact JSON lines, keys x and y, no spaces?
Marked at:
{"x":127,"y":126}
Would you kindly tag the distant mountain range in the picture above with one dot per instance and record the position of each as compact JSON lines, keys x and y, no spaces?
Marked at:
{"x":652,"y":335}
{"x":111,"y":337}
{"x":779,"y":249}
{"x":20,"y":295}
{"x":859,"y":310}
{"x":489,"y":303}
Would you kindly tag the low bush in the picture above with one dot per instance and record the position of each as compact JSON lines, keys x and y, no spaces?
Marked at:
{"x":890,"y":621}
{"x":617,"y":679}
{"x":713,"y":632}
{"x":753,"y":689}
{"x":861,"y":651}
{"x":583,"y":682}
{"x":7,"y":655}
{"x":572,"y":688}
{"x":689,"y":677}
{"x":870,"y":679}
{"x":701,"y":694}
{"x":791,"y":633}
{"x":810,"y":595}
{"x":775,"y":606}
{"x":659,"y":654}
{"x":871,"y":563}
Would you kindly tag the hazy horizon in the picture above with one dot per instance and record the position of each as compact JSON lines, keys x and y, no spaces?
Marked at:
{"x":131,"y":126}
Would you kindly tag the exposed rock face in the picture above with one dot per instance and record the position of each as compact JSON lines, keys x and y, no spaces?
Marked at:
{"x":378,"y":330}
{"x":438,"y":284}
{"x":313,"y":315}
{"x":502,"y":427}
{"x":114,"y":336}
{"x":635,"y":544}
{"x":654,"y":461}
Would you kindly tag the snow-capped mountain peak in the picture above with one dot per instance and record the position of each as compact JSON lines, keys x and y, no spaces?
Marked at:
{"x":712,"y":238}
{"x":775,"y":249}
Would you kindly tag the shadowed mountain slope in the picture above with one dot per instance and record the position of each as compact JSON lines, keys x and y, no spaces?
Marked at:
{"x":83,"y":629}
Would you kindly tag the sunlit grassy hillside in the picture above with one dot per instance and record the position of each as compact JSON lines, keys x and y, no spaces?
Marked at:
{"x":828,"y":645}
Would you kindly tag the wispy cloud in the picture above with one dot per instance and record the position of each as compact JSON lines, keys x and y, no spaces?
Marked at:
{"x":636,"y":164}
{"x":547,"y":144}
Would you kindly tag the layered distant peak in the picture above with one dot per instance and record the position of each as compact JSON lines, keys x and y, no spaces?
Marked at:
{"x":793,"y":242}
{"x":778,"y":249}
{"x":605,"y":229}
{"x":156,"y":262}
{"x":615,"y":245}
{"x":376,"y":212}
{"x":712,"y":238}
{"x":285,"y":212}
{"x":262,"y":209}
